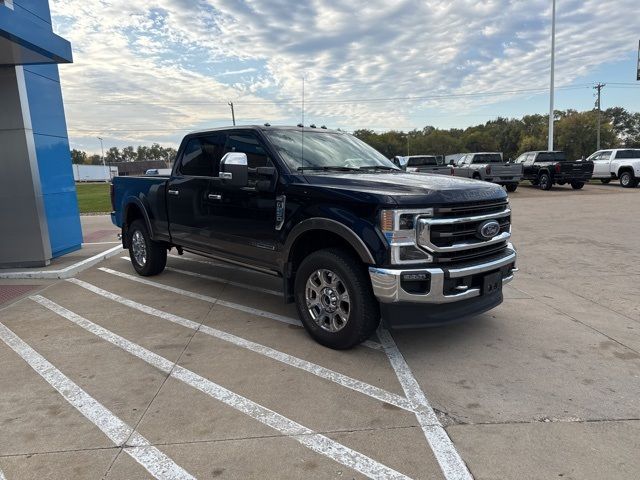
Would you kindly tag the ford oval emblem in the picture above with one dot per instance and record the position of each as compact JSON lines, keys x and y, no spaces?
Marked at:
{"x":489,"y":229}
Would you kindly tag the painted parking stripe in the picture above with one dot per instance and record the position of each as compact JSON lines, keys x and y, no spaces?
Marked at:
{"x":217,"y":301}
{"x":152,"y":459}
{"x":305,"y":436}
{"x":219,"y":280}
{"x":451,"y":464}
{"x":322,"y":372}
{"x":2,"y":477}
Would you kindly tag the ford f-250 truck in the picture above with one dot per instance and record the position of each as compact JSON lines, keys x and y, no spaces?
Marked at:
{"x":548,"y":168}
{"x":489,"y":166}
{"x":623,"y":164}
{"x":353,"y":237}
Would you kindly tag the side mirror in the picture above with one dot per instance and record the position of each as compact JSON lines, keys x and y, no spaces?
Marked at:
{"x":234,"y":170}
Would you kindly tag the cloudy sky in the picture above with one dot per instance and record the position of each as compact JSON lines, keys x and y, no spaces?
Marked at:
{"x":149,"y":71}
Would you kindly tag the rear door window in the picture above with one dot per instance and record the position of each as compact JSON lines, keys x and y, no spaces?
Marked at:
{"x":627,"y":154}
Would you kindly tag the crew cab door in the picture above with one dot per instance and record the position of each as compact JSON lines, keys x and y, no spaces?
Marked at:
{"x":243,"y":219}
{"x":189,"y":208}
{"x":601,"y":164}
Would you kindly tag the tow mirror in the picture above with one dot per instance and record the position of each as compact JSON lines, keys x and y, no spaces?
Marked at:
{"x":234,"y":170}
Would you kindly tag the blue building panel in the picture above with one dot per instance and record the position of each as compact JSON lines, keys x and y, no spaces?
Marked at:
{"x":45,"y":104}
{"x":65,"y":232}
{"x":47,"y":71}
{"x":54,"y":164}
{"x":37,"y":8}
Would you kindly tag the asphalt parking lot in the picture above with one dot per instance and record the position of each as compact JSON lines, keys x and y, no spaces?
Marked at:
{"x":204,"y":372}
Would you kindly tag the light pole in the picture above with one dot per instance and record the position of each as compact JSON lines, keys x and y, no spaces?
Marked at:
{"x":551,"y":86}
{"x":103,"y":164}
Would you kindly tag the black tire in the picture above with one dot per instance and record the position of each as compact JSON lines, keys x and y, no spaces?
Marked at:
{"x":627,"y":179}
{"x":544,"y":180}
{"x":605,"y":180}
{"x":512,"y":187}
{"x":476,"y":176}
{"x":577,"y":185}
{"x":363,"y":309}
{"x":155,"y":254}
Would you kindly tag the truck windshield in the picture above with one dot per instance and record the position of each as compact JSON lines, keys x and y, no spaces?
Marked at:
{"x":551,"y":157}
{"x":422,"y":161}
{"x":487,"y":158}
{"x":326,"y":151}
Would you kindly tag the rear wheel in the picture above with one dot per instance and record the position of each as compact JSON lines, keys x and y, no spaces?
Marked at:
{"x":627,"y":180}
{"x":605,"y":180}
{"x":334,"y":299}
{"x":512,"y":187}
{"x":147,"y":257}
{"x":544,"y":180}
{"x":577,"y":185}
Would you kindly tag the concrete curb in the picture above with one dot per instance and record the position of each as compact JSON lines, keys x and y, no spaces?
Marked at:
{"x":66,"y":272}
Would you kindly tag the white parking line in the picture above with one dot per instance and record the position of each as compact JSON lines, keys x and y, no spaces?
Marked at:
{"x":219,"y":280}
{"x":305,"y":436}
{"x":322,"y":372}
{"x":152,"y":459}
{"x":2,"y":477}
{"x":451,"y":464}
{"x":217,"y":301}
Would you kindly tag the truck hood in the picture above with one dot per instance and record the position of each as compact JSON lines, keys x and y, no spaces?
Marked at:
{"x":420,"y":189}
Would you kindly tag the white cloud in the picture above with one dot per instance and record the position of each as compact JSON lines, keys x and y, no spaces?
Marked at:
{"x":179,"y":56}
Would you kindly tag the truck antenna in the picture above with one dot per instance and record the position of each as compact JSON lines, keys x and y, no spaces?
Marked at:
{"x":302,"y":125}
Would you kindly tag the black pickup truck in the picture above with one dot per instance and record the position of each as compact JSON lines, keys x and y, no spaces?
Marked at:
{"x":547,"y":168}
{"x":353,"y":237}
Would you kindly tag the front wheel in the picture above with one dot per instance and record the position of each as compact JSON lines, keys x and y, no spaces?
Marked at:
{"x":577,"y":185}
{"x":545,"y":181}
{"x":627,"y":180}
{"x":147,"y":257}
{"x":512,"y":187}
{"x":334,"y":299}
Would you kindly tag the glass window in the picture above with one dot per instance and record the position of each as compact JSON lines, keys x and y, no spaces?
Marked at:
{"x":628,"y":153}
{"x":249,"y":143}
{"x":422,"y":161}
{"x":487,"y":158}
{"x":201,"y":156}
{"x":551,"y":157}
{"x":325,"y":150}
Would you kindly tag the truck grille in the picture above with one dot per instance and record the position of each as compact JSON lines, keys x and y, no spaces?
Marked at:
{"x":452,"y":235}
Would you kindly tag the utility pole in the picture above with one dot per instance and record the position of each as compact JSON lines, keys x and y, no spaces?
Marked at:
{"x":598,"y":88}
{"x":103,"y":164}
{"x":233,"y":114}
{"x":551,"y":86}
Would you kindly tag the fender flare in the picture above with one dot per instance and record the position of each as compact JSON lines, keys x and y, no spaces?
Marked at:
{"x":332,"y":226}
{"x":135,"y":201}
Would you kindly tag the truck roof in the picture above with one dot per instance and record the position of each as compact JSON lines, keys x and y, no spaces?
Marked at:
{"x":265,"y":127}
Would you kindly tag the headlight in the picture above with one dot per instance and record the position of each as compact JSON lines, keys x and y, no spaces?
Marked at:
{"x":398,"y":227}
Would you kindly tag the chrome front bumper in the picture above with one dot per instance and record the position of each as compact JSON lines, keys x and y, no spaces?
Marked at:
{"x":388,"y":289}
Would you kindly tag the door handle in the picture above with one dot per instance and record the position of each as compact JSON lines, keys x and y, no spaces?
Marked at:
{"x":173,"y":192}
{"x":213,"y":196}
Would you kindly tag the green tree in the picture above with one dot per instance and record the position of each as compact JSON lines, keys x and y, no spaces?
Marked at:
{"x":78,"y":157}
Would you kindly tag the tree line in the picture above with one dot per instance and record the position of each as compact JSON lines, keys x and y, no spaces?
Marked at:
{"x":126,"y":154}
{"x":575,"y":133}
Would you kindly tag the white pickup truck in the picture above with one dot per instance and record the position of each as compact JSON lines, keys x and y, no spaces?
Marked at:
{"x":622,"y":164}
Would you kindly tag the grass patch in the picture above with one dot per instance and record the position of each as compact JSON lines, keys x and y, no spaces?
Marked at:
{"x":93,"y":197}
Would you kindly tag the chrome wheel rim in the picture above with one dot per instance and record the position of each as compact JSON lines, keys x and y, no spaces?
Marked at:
{"x":139,"y":248}
{"x":327,"y":300}
{"x":625,"y":179}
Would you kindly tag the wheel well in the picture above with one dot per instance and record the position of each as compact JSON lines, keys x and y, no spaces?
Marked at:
{"x":476,"y":175}
{"x":307,"y":243}
{"x":132,"y":213}
{"x":626,"y":169}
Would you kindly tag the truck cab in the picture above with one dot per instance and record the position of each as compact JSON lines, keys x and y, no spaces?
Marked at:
{"x":354,"y":238}
{"x":490,"y":167}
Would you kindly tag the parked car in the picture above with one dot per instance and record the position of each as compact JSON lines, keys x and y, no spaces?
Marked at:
{"x":546,"y":168}
{"x":353,"y":237}
{"x":489,"y":166}
{"x":423,"y":164}
{"x":622,"y":164}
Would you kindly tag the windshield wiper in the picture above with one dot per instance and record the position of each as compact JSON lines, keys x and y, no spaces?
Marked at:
{"x":377,"y":167}
{"x":329,"y":168}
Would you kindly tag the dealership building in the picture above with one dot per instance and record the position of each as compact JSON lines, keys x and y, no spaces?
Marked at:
{"x":38,"y":204}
